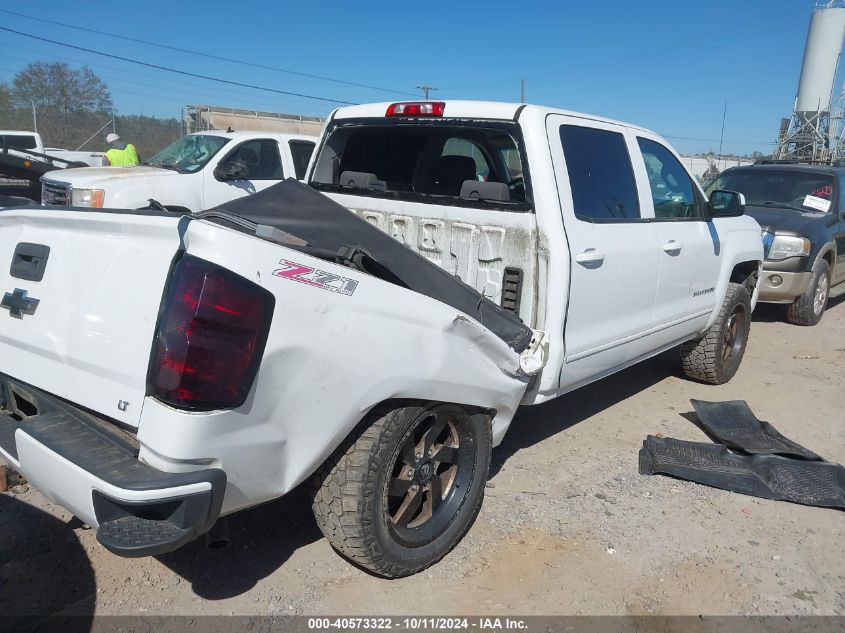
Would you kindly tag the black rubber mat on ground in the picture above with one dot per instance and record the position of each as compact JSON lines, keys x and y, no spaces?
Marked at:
{"x":733,"y":424}
{"x":768,"y":476}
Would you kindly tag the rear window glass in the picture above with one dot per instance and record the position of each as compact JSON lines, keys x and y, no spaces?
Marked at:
{"x":439,"y":163}
{"x":19,"y":141}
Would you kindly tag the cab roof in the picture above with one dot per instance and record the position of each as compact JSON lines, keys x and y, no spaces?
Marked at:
{"x":487,"y":110}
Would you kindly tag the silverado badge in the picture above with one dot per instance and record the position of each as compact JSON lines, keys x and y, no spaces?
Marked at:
{"x":18,"y":303}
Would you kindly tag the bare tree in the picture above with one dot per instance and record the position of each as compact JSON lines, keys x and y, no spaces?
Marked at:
{"x":63,"y":97}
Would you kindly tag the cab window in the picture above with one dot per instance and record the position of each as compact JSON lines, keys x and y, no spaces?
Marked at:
{"x":301,"y":152}
{"x":432,"y":162}
{"x":672,"y":189}
{"x":600,"y":174}
{"x":261,"y":157}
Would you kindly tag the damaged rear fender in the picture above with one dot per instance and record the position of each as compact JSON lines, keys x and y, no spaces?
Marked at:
{"x":366,"y":349}
{"x":329,"y":359}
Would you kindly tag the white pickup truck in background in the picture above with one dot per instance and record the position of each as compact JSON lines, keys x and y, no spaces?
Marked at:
{"x":196,"y":172}
{"x":159,"y":371}
{"x":29,"y":143}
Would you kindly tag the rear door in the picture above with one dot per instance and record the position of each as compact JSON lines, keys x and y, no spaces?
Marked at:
{"x":688,"y":245}
{"x":263,"y":162}
{"x":614,"y":266}
{"x":84,"y":330}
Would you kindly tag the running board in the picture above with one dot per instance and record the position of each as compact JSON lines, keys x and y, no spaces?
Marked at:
{"x":837,"y":291}
{"x":767,"y":476}
{"x":733,"y":424}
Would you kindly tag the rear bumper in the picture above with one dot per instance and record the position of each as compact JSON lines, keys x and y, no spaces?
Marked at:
{"x":779,"y":287}
{"x":90,"y":467}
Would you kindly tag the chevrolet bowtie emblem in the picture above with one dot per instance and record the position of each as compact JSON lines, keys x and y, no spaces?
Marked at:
{"x":18,"y":303}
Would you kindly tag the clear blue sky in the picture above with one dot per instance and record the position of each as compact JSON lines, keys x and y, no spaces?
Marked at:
{"x":667,"y":65}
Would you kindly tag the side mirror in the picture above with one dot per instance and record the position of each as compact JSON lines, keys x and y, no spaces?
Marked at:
{"x":726,"y":204}
{"x":233,"y":170}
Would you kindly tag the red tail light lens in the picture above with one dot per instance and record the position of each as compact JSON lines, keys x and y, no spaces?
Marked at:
{"x":210,"y":339}
{"x":423,"y":108}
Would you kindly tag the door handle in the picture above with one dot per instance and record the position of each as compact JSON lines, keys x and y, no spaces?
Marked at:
{"x":590,"y":256}
{"x":673,"y":247}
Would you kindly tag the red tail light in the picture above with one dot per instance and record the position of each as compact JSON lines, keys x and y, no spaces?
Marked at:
{"x":211,"y":337}
{"x":423,"y":108}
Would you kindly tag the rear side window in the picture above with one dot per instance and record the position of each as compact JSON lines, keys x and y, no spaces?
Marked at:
{"x":600,"y":174}
{"x":672,"y":190}
{"x":301,"y":152}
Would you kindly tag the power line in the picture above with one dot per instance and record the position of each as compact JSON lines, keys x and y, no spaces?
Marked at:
{"x":174,"y":70}
{"x":207,"y":55}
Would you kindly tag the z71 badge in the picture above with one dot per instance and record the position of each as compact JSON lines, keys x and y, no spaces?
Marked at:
{"x":317,"y":278}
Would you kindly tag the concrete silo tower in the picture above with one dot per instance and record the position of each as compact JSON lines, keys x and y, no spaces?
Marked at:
{"x":814,"y":131}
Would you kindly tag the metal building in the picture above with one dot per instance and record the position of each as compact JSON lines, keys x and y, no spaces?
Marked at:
{"x":814,"y":131}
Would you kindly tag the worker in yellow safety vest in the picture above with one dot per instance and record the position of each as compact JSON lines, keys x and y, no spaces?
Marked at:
{"x":120,"y":154}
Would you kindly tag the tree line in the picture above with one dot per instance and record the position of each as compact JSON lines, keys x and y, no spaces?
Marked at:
{"x":71,"y":105}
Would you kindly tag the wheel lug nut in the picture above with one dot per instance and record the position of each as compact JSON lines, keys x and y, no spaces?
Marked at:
{"x":429,"y":452}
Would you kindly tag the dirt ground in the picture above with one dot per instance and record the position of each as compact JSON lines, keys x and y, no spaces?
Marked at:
{"x":568,"y":526}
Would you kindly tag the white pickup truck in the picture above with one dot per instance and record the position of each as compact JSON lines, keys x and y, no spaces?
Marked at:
{"x":196,"y":172}
{"x":30,"y":144}
{"x":161,"y":370}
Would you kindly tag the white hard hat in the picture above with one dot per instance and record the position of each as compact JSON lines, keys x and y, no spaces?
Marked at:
{"x":111,"y":138}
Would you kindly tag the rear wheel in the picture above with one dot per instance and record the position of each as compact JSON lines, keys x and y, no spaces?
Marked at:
{"x":809,"y":308}
{"x":402,"y":491}
{"x":715,"y":357}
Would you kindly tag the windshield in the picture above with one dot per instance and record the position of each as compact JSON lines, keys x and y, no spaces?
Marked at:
{"x":189,"y":153}
{"x":804,"y":190}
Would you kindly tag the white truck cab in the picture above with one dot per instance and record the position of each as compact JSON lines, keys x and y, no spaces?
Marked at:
{"x":589,"y":229}
{"x":159,"y":371}
{"x":196,"y":172}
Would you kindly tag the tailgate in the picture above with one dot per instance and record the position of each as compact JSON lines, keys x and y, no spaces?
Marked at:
{"x":89,"y":337}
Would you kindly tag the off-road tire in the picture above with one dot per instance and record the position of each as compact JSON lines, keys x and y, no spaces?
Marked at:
{"x":806,"y":310}
{"x":350,"y":491}
{"x":704,"y":358}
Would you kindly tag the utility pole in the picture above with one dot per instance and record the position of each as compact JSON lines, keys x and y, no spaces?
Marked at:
{"x":722,"y":137}
{"x":426,"y":89}
{"x":34,"y":118}
{"x":522,"y":91}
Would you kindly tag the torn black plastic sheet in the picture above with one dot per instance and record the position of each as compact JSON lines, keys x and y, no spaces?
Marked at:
{"x":733,"y":424}
{"x":767,"y":476}
{"x":308,"y":215}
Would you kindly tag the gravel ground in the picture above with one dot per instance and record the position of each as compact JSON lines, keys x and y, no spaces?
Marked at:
{"x":568,"y":526}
